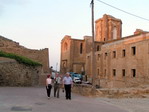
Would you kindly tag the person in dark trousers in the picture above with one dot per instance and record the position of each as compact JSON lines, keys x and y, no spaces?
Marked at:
{"x":57,"y":82}
{"x":48,"y":85}
{"x":67,"y":84}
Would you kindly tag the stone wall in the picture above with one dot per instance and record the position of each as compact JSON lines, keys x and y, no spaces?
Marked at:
{"x":42,"y":80}
{"x":87,"y":90}
{"x":14,"y":74}
{"x":41,"y":56}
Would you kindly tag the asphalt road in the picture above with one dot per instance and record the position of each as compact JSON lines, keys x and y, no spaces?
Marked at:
{"x":34,"y":99}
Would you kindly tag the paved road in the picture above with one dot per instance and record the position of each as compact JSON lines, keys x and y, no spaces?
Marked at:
{"x":33,"y":99}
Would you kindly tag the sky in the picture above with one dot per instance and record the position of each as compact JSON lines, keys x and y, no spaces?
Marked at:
{"x":38,"y":24}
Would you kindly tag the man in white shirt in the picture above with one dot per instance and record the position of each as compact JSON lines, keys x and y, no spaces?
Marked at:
{"x":67,"y":83}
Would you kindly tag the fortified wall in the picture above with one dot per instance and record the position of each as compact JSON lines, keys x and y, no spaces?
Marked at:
{"x":13,"y":73}
{"x":41,"y":56}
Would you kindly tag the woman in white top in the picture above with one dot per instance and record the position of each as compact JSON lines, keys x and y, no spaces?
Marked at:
{"x":48,"y":85}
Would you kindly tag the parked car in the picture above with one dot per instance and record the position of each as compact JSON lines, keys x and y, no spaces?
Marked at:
{"x":53,"y":75}
{"x":77,"y":78}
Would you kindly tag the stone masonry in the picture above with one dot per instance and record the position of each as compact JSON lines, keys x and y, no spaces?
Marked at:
{"x":14,"y":74}
{"x":41,"y":56}
{"x":120,"y":61}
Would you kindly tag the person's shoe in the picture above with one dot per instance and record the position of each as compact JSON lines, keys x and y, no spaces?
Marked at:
{"x":48,"y":98}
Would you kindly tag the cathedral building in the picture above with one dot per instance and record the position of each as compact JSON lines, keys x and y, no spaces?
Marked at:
{"x":120,"y":61}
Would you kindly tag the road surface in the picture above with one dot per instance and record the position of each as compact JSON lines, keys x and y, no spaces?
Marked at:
{"x":34,"y":99}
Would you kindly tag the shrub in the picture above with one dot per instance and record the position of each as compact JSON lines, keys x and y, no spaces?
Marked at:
{"x":20,"y":59}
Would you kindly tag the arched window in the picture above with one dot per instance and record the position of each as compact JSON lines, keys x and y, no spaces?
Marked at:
{"x":81,"y":48}
{"x":114,"y":32}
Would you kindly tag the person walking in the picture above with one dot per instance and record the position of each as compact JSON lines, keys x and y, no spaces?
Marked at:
{"x":57,"y":82}
{"x":67,"y":84}
{"x":48,"y":85}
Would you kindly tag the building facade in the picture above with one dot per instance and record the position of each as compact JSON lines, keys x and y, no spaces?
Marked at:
{"x":72,"y":55}
{"x":120,"y":61}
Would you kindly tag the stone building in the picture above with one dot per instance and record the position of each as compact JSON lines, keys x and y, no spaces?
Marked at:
{"x":120,"y":61}
{"x":72,"y":58}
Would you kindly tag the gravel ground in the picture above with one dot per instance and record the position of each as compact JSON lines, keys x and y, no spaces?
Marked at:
{"x":129,"y":104}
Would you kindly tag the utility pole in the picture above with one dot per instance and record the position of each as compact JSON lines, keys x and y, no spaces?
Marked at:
{"x":56,"y":67}
{"x":56,"y":70}
{"x":93,"y":67}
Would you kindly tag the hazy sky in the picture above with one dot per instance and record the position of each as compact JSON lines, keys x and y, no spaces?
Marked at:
{"x":38,"y":24}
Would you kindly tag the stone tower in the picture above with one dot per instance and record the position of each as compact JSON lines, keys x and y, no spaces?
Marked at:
{"x":108,"y":28}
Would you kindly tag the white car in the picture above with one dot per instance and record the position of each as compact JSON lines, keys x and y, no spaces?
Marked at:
{"x":76,"y":80}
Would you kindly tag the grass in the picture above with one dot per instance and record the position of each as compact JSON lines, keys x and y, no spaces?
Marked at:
{"x":20,"y":59}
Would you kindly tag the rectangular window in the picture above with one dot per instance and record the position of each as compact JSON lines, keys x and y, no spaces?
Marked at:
{"x":98,"y":71}
{"x":81,"y":48}
{"x":98,"y":48}
{"x":114,"y":54}
{"x":123,"y":53}
{"x":133,"y":72}
{"x":123,"y":72}
{"x":114,"y":72}
{"x":133,"y":50}
{"x":106,"y":54}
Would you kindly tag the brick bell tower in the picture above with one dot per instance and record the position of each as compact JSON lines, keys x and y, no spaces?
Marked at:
{"x":108,"y":28}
